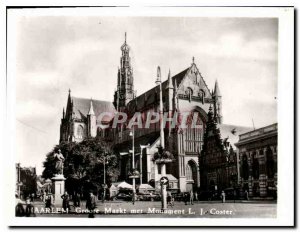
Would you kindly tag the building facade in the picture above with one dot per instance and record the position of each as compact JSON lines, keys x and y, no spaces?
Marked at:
{"x":218,"y":159}
{"x":82,"y":119}
{"x":185,"y":93}
{"x":257,"y":152}
{"x":25,"y":181}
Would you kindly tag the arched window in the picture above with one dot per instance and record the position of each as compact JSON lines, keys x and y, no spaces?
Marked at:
{"x":202,"y":95}
{"x":189,"y":93}
{"x":189,"y":173}
{"x":245,"y":167}
{"x":270,"y":163}
{"x":255,"y":167}
{"x":80,"y":132}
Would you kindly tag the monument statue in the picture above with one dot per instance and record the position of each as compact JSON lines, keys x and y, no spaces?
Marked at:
{"x":59,"y":165}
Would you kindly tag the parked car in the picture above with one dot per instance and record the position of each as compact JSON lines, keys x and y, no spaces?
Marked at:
{"x":179,"y":197}
{"x":230,"y":194}
{"x":144,"y":197}
{"x":209,"y":195}
{"x":123,"y":196}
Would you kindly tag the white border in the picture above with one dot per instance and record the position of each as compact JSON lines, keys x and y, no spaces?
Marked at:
{"x":285,"y":204}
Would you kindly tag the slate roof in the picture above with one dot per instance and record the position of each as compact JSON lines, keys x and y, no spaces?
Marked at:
{"x":81,"y":107}
{"x":152,"y":95}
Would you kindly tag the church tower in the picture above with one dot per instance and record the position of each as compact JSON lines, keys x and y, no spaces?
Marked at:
{"x":217,"y":104}
{"x":125,"y":88}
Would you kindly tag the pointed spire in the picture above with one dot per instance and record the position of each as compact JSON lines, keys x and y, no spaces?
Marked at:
{"x":175,"y":85}
{"x":193,"y":60}
{"x":91,"y":111}
{"x":63,"y":112}
{"x":125,"y":47}
{"x":217,"y":90}
{"x":170,"y":83}
{"x":158,"y":80}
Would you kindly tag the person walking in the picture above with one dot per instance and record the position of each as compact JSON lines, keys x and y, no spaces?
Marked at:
{"x":66,"y":202}
{"x":186,"y":198}
{"x":191,"y":197}
{"x":196,"y":196}
{"x":223,"y":196}
{"x":91,"y":204}
{"x":169,"y":199}
{"x":32,"y":197}
{"x":246,"y":195}
{"x":48,"y":201}
{"x":29,"y":210}
{"x":44,"y":195}
{"x":19,"y":210}
{"x":77,"y":200}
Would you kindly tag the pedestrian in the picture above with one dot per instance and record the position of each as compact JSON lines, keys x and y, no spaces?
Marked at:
{"x":32,"y":197}
{"x":48,"y":201}
{"x":169,"y":198}
{"x":29,"y":210}
{"x":196,"y":196}
{"x":191,"y":197}
{"x":186,"y":198}
{"x":19,"y":210}
{"x":44,"y":196}
{"x":246,"y":195}
{"x":77,"y":200}
{"x":223,"y":196}
{"x":66,"y":202}
{"x":91,"y":204}
{"x":172,"y":200}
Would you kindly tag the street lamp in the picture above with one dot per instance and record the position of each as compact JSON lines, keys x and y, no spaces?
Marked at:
{"x":133,"y":176}
{"x":104,"y":177}
{"x":162,"y":157}
{"x":141,"y":162}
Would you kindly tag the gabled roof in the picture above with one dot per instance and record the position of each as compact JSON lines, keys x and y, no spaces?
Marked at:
{"x":81,"y":107}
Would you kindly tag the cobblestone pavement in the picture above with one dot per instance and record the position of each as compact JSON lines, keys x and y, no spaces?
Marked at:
{"x":241,"y":209}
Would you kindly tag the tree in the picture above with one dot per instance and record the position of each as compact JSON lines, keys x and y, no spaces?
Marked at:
{"x":84,"y":164}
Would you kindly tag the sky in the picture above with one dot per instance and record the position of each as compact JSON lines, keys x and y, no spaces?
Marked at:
{"x":55,"y":53}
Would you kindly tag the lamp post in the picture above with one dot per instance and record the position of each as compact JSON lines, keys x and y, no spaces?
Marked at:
{"x":133,"y":168}
{"x":162,"y":157}
{"x":141,"y":162}
{"x":104,"y":178}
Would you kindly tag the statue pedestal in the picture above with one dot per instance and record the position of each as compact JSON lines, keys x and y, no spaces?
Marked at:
{"x":59,"y":188}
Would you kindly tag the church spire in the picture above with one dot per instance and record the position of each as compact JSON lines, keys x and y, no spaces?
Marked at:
{"x":217,"y":103}
{"x":91,"y":111}
{"x":125,"y":88}
{"x":170,"y":83}
{"x":217,"y":92}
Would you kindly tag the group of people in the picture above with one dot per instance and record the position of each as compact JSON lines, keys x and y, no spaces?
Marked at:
{"x":90,"y":202}
{"x":24,"y":208}
{"x":189,"y":197}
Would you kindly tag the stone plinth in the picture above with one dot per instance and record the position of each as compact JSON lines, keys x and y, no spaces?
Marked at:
{"x":59,"y":188}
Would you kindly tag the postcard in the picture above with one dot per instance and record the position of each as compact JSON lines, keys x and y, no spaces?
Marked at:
{"x":156,"y":116}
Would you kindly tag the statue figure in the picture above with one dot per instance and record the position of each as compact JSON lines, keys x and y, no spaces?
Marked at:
{"x":59,"y":165}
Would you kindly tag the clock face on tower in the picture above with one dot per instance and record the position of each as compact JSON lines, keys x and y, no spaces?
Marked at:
{"x":122,"y":96}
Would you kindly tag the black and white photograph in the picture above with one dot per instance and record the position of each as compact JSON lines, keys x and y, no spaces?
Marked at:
{"x":150,"y":117}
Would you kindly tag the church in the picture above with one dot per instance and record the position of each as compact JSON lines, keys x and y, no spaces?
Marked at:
{"x":192,"y":167}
